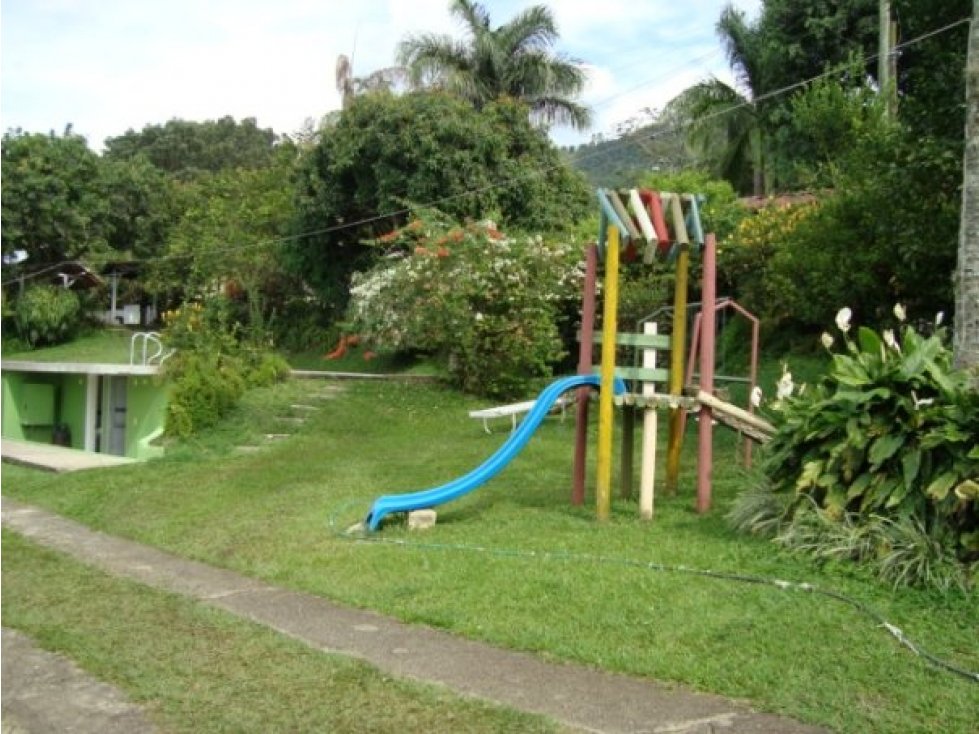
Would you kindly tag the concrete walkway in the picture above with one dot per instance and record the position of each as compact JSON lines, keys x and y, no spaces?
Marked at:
{"x":49,"y":457}
{"x":581,"y":698}
{"x":33,"y":679}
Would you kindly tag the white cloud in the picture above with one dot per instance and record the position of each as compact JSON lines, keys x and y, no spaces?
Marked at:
{"x":109,"y":65}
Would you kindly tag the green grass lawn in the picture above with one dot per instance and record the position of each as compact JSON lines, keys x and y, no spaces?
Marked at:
{"x":104,"y":345}
{"x":112,"y":346}
{"x":197,"y":669}
{"x":514,"y":564}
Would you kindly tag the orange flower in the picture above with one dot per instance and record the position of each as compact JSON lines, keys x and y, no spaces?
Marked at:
{"x":442,"y":251}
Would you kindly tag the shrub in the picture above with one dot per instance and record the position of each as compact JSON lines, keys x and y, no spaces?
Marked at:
{"x":214,"y":364}
{"x":883,"y":447}
{"x":47,"y":314}
{"x":489,"y":304}
{"x":753,"y":263}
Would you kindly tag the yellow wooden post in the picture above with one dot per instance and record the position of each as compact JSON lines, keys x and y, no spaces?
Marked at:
{"x":603,"y":489}
{"x":677,"y":345}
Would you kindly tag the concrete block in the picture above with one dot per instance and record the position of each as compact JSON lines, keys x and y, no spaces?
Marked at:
{"x":422,"y":519}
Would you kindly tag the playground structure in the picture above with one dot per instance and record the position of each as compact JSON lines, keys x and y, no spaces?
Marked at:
{"x":619,"y":230}
{"x":669,"y":226}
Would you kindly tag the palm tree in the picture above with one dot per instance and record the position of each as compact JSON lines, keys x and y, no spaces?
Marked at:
{"x":512,"y":60}
{"x":723,"y":133}
{"x":349,"y":86}
{"x":725,"y":128}
{"x":966,"y":328}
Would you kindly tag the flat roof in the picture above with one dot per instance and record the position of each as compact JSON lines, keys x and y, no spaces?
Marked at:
{"x":80,"y":368}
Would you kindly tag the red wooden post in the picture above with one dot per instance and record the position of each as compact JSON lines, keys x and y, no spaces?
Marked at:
{"x":708,"y":327}
{"x":754,"y":381}
{"x":584,"y":368}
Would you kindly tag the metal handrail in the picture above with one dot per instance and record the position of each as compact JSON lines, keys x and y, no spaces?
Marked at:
{"x":147,"y":359}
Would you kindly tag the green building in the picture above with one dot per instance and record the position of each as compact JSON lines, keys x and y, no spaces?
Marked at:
{"x":105,"y":408}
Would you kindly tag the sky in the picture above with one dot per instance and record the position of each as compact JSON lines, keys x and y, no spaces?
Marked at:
{"x":108,"y":66}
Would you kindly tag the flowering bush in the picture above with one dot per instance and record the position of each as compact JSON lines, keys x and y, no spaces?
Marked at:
{"x":751,"y":263}
{"x":489,"y":303}
{"x":880,"y":455}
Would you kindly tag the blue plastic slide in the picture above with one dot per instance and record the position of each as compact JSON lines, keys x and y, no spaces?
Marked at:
{"x":492,"y":466}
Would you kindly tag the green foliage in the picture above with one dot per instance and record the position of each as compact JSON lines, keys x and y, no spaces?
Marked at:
{"x":386,"y":152}
{"x":215,"y":362}
{"x":487,"y":303}
{"x":752,"y":261}
{"x":723,"y":133}
{"x":228,"y":237}
{"x":898,"y":551}
{"x":52,"y":202}
{"x":47,"y":314}
{"x":884,"y":230}
{"x":185,"y":149}
{"x":887,"y":233}
{"x":888,"y":436}
{"x":141,"y":207}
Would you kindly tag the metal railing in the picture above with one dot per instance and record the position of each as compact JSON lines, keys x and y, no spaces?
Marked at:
{"x":147,"y":338}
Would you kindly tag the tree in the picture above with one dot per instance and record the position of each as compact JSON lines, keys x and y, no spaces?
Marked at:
{"x":723,"y":132}
{"x":185,"y":148}
{"x":512,"y":60}
{"x":52,"y":204}
{"x":348,"y":85}
{"x":966,"y":328}
{"x":426,"y":148}
{"x":229,"y":235}
{"x":140,"y":207}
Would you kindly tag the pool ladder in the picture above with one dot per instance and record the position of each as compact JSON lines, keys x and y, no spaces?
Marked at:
{"x":146,"y":338}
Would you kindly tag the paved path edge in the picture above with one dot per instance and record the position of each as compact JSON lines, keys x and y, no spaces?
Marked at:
{"x":583,"y":698}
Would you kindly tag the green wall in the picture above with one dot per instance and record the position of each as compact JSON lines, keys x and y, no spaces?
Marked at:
{"x":12,"y":382}
{"x":72,"y":407}
{"x":18,"y":406}
{"x":146,"y":405}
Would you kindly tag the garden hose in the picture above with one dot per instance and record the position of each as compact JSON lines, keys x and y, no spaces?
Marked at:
{"x":357,"y":533}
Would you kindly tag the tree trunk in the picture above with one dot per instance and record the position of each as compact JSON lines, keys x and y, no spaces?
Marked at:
{"x":965,"y":341}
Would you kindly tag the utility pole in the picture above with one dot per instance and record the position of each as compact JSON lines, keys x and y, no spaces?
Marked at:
{"x":887,"y":58}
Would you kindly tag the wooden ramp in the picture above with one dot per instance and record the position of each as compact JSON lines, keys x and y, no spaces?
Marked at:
{"x":56,"y":458}
{"x":740,"y":420}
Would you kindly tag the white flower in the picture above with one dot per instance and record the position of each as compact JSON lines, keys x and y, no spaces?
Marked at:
{"x":785,"y":385}
{"x":899,"y":312}
{"x":889,"y":339}
{"x":479,"y":316}
{"x":756,"y":396}
{"x":939,"y":318}
{"x":827,"y":339}
{"x":843,"y":317}
{"x":922,"y":403}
